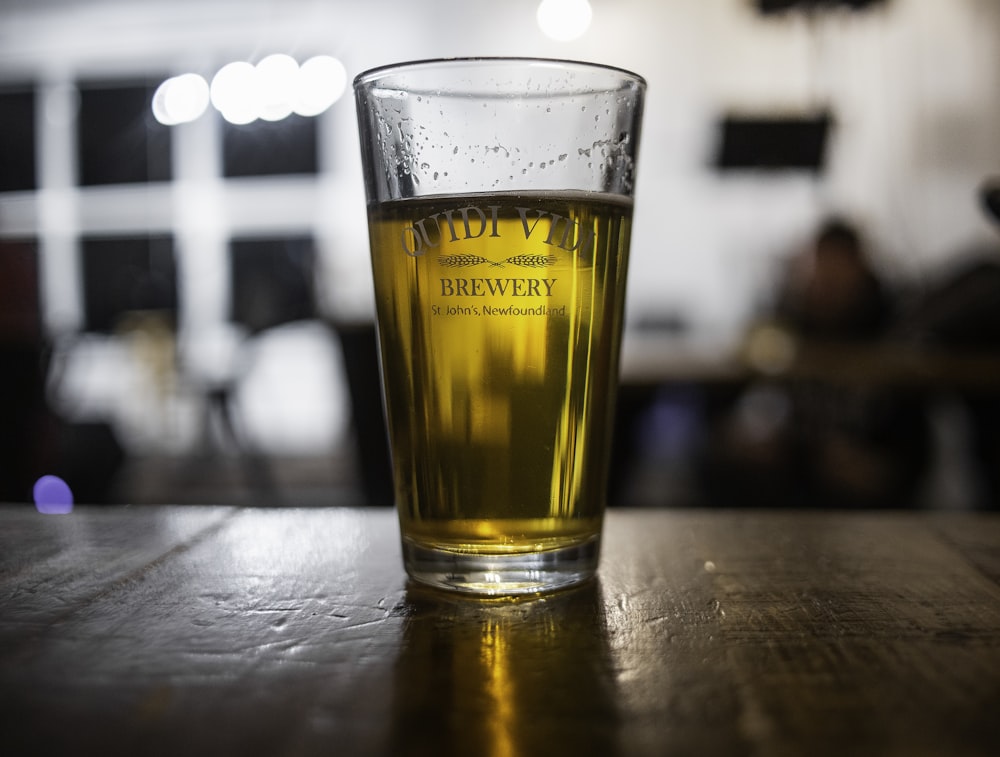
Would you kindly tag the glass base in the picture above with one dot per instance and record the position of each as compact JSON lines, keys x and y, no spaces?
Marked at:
{"x":502,"y":575}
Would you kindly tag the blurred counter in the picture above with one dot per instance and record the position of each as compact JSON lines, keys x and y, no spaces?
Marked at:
{"x":652,"y":358}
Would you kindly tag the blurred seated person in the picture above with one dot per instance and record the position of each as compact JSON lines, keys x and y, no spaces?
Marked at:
{"x":831,"y":292}
{"x":821,"y":443}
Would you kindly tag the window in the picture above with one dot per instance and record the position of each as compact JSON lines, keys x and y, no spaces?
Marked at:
{"x":268,"y":148}
{"x":273,"y":281}
{"x":17,"y":140}
{"x":119,"y":141}
{"x":127,"y":274}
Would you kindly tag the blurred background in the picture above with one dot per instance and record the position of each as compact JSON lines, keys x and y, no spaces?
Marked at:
{"x":812,"y":318}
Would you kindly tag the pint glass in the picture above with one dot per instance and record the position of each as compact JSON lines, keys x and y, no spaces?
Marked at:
{"x":499,"y":199}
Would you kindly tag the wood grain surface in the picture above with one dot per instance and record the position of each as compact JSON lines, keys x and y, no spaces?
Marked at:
{"x":225,"y":631}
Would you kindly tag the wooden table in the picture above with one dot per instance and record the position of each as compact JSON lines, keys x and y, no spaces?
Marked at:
{"x":224,"y":631}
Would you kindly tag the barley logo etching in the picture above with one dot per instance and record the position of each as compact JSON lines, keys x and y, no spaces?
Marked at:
{"x":524,"y":261}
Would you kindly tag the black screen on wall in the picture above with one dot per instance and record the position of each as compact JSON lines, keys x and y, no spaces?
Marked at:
{"x":773,"y":143}
{"x":780,"y":6}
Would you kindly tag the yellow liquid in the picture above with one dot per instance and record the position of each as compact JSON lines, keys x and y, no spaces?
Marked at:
{"x":499,"y":321}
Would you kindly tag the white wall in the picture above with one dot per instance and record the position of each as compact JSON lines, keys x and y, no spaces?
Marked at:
{"x":915,"y":88}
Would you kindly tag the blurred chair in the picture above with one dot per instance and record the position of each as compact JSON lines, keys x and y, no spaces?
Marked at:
{"x":823,"y":442}
{"x":272,"y":283}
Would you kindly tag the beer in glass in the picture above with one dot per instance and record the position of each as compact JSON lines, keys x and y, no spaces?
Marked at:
{"x":499,"y":209}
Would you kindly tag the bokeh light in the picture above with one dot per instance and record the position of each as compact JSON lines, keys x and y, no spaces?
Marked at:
{"x":180,"y":99}
{"x":234,"y":92}
{"x":277,"y":87}
{"x":322,"y":81}
{"x":277,"y":80}
{"x":52,"y":496}
{"x":564,"y":20}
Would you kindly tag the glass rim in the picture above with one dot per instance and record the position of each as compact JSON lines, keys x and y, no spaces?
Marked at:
{"x":372,"y":74}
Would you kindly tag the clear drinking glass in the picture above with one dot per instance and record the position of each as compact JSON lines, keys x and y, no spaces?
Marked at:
{"x":499,"y":198}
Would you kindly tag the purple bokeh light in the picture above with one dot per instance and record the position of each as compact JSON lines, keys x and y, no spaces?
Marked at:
{"x":53,"y":496}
